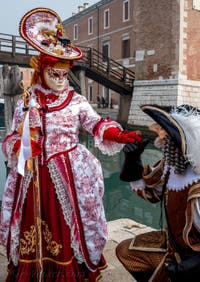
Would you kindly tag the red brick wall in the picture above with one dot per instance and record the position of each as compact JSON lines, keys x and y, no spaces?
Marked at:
{"x":156,"y":23}
{"x":167,"y":32}
{"x":113,"y":34}
{"x":192,"y":42}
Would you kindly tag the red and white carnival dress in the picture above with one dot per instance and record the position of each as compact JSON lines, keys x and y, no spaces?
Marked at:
{"x":73,"y":224}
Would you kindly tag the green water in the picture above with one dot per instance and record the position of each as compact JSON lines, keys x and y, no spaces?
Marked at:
{"x":119,"y":200}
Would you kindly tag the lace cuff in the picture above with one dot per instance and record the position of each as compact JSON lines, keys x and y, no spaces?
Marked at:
{"x":105,"y":146}
{"x":138,"y":184}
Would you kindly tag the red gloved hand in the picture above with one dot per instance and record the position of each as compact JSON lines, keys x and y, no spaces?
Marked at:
{"x":116,"y":135}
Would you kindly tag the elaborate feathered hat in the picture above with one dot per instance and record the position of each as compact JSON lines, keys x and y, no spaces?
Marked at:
{"x":42,"y":28}
{"x":182,"y":124}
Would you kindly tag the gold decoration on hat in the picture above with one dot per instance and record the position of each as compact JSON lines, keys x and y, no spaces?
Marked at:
{"x":42,"y":28}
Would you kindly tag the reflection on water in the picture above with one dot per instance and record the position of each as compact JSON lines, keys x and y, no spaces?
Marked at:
{"x":119,"y":200}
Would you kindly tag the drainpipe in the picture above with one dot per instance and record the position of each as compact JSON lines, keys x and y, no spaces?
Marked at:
{"x":98,"y":40}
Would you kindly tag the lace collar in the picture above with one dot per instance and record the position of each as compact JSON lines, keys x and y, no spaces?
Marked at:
{"x":60,"y":98}
{"x":179,"y":182}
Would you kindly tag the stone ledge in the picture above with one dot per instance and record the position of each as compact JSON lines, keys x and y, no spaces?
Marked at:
{"x":118,"y":230}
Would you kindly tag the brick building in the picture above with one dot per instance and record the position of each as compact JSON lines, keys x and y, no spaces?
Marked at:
{"x":167,"y":61}
{"x":106,"y":26}
{"x":158,"y":39}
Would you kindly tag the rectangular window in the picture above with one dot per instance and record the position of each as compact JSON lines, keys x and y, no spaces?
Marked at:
{"x":105,"y":52}
{"x":90,"y":25}
{"x":126,"y":10}
{"x":106,"y":19}
{"x":75,"y":32}
{"x":90,"y":94}
{"x":126,"y":48}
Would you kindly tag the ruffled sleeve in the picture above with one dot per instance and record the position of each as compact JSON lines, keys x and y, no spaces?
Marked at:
{"x":8,"y":144}
{"x":107,"y":147}
{"x":94,"y":124}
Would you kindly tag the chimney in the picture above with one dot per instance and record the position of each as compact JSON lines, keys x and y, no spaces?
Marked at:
{"x":86,"y":5}
{"x":80,"y":8}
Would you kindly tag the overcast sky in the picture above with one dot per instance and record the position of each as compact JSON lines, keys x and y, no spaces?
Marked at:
{"x":11,"y":11}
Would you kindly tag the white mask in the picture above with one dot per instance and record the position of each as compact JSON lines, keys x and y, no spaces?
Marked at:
{"x":56,"y":79}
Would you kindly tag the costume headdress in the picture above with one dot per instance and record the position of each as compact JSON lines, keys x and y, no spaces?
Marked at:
{"x":42,"y":28}
{"x":182,"y":124}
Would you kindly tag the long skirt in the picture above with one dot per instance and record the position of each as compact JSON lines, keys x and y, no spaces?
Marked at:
{"x":55,"y":260}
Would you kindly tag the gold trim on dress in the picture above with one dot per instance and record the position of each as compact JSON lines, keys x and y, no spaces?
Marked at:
{"x":52,"y":246}
{"x":28,"y":243}
{"x":47,"y":259}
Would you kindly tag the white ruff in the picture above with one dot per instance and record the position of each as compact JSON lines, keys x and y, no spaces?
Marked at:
{"x":190,"y":123}
{"x":179,"y":182}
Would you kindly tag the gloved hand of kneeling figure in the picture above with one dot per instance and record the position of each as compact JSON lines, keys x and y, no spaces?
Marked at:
{"x":132,"y":168}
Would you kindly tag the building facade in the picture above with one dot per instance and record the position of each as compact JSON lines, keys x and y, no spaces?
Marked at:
{"x":167,"y":60}
{"x":158,"y":39}
{"x":106,"y":26}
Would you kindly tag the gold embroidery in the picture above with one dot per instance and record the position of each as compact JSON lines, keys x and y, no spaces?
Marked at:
{"x":52,"y":246}
{"x":27,"y":245}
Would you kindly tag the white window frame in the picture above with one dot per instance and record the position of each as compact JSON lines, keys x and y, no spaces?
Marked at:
{"x":75,"y":31}
{"x":90,"y":25}
{"x":124,"y":3}
{"x":107,"y":11}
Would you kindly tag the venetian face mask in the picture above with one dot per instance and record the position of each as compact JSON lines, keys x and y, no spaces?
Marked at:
{"x":56,"y":79}
{"x":160,"y":140}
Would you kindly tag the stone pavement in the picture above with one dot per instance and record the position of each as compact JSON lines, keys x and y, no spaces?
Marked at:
{"x":118,"y":230}
{"x":3,"y":264}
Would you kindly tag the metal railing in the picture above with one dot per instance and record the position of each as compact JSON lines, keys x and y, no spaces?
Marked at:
{"x":15,"y":45}
{"x":107,"y":66}
{"x":92,"y":58}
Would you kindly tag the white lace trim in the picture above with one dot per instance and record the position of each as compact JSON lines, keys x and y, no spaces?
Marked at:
{"x":15,"y":230}
{"x":61,"y":96}
{"x":107,"y":147}
{"x":177,"y":182}
{"x":138,"y":185}
{"x":61,"y":187}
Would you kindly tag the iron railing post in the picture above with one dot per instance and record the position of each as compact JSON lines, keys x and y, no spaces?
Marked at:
{"x":124,"y":75}
{"x":89,"y":56}
{"x":108,"y":65}
{"x":13,"y":45}
{"x":27,"y":51}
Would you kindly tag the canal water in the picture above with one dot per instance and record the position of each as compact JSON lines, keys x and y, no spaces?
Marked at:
{"x":119,"y":200}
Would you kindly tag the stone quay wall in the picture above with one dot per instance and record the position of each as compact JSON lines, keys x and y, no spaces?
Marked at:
{"x":170,"y":92}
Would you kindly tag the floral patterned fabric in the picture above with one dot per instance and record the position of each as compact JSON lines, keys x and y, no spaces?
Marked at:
{"x":74,"y":172}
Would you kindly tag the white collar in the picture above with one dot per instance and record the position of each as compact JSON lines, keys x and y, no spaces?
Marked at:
{"x":179,"y":182}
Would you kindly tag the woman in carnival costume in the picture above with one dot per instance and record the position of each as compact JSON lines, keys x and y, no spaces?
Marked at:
{"x":52,"y":218}
{"x":172,"y":254}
